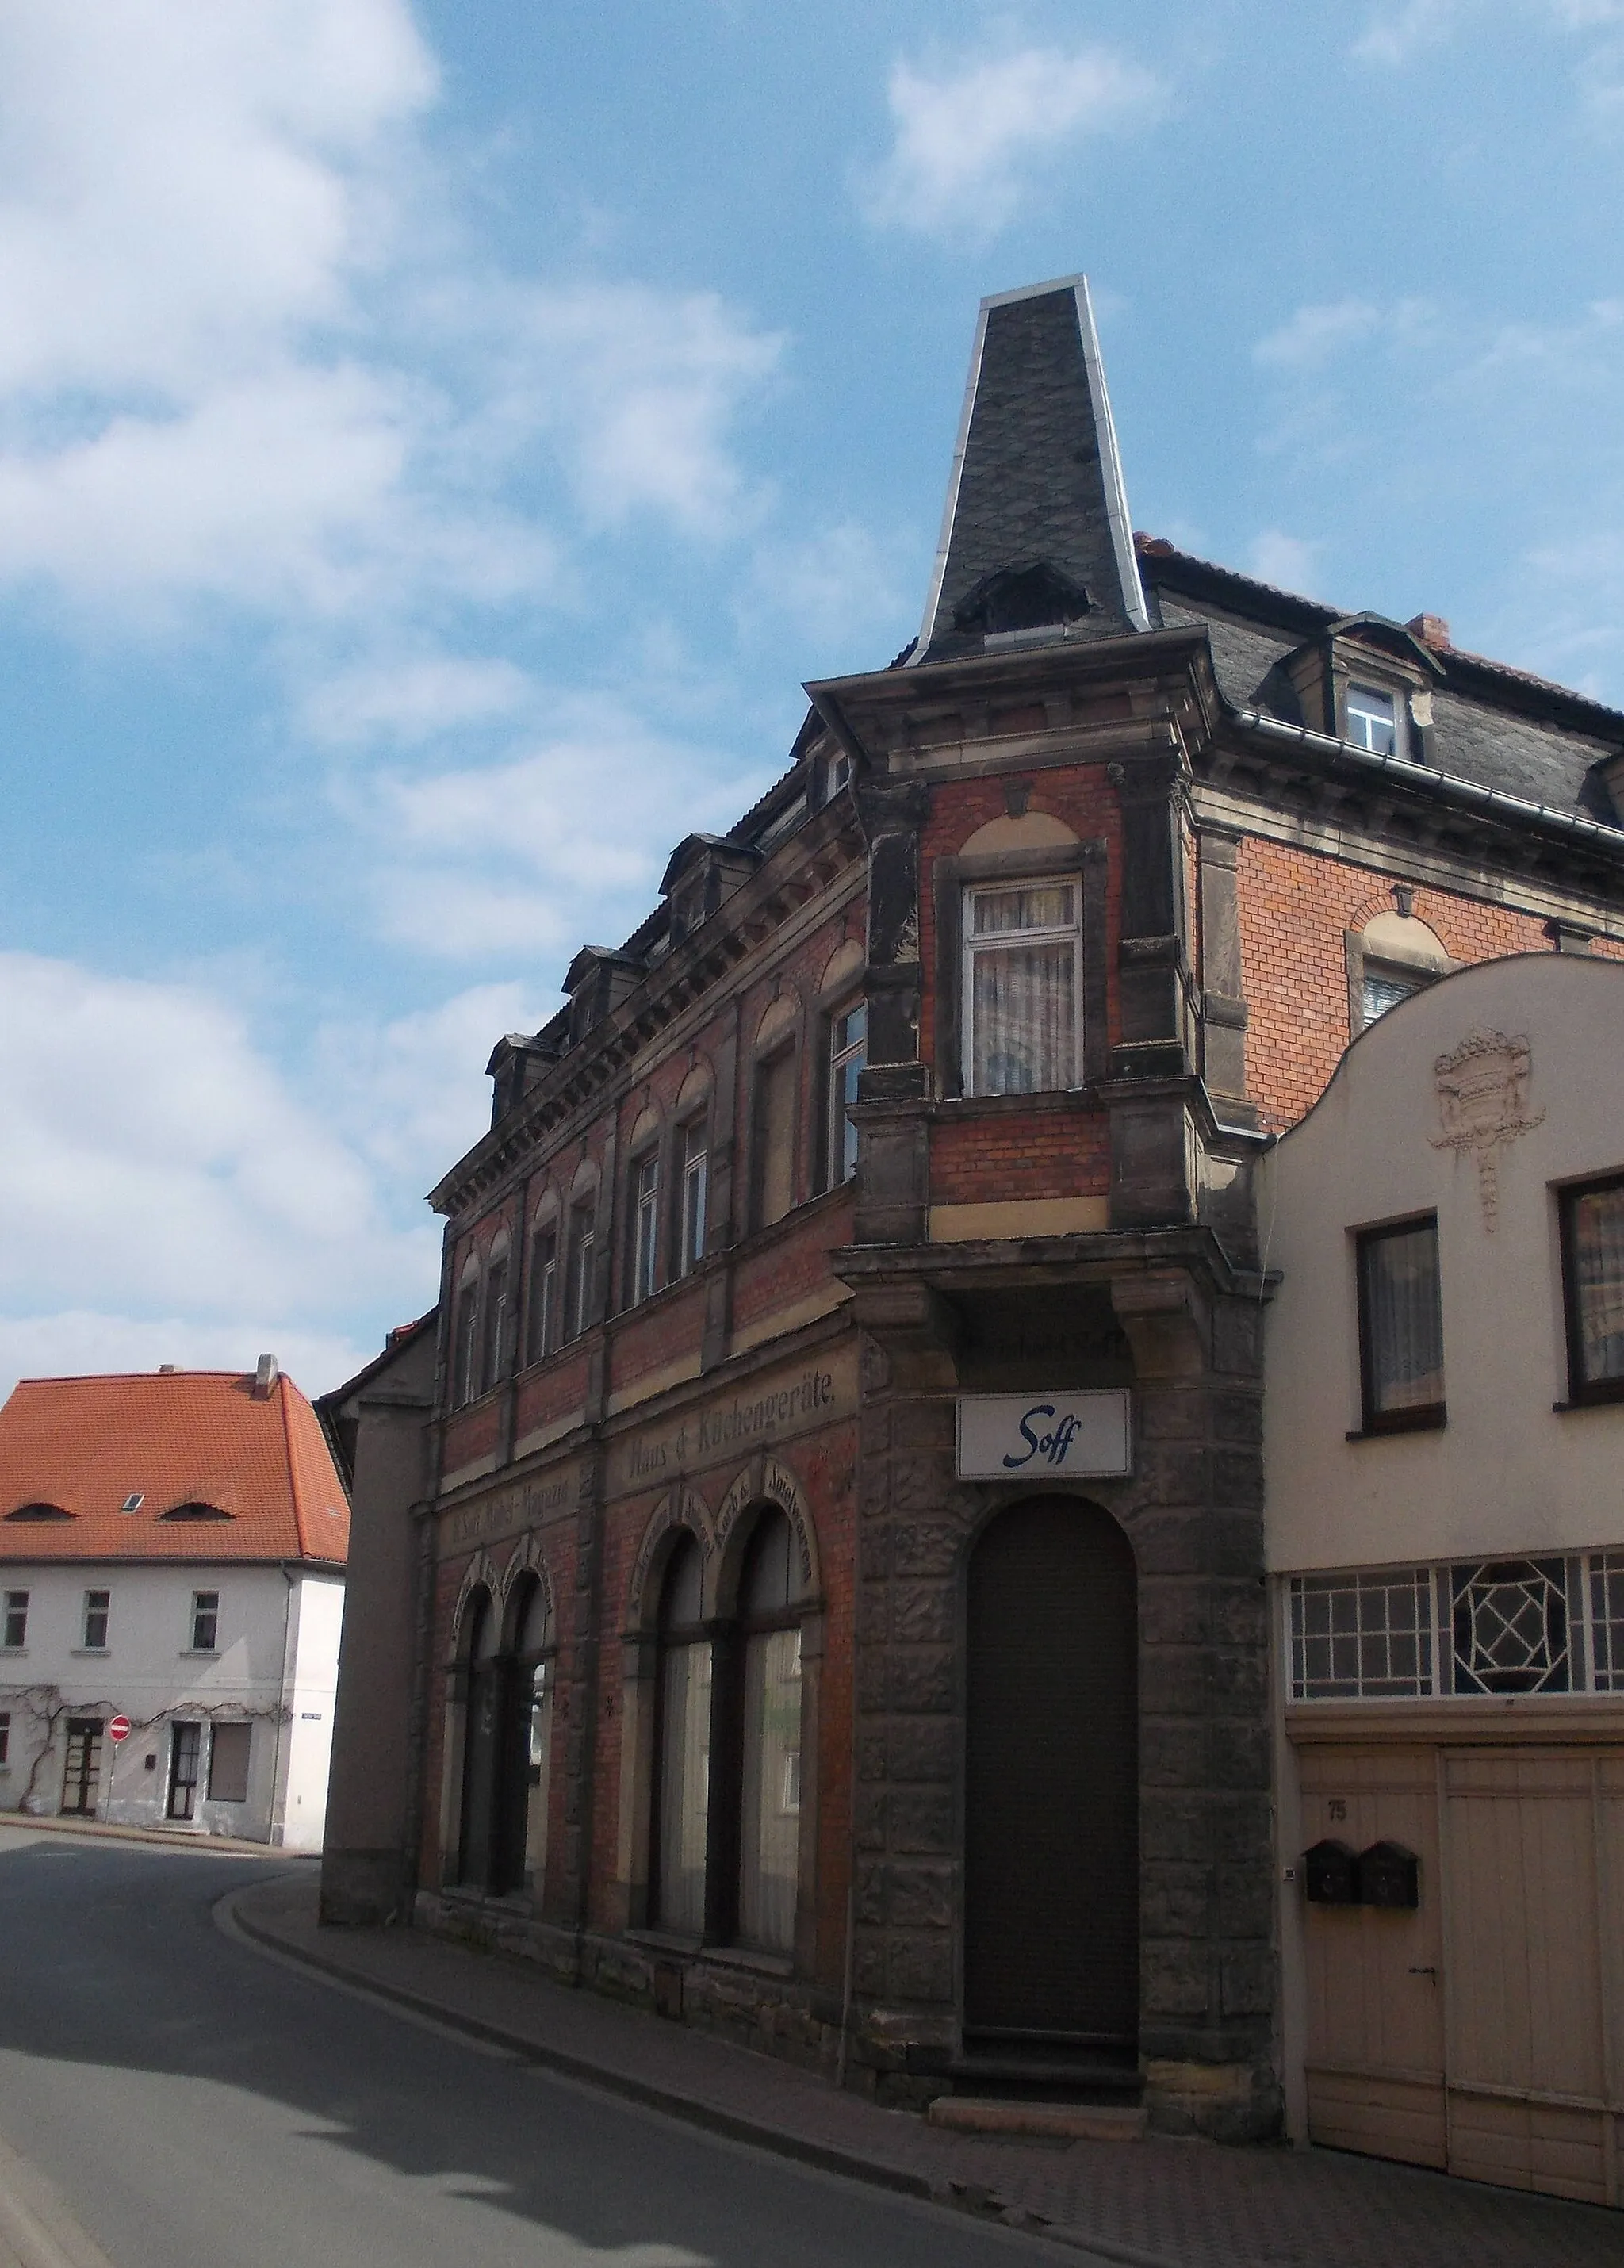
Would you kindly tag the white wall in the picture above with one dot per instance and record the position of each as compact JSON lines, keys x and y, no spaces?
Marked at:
{"x":1507,"y":1473}
{"x":149,"y":1673}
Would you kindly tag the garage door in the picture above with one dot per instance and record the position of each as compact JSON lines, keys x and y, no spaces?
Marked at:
{"x":1484,"y":2031}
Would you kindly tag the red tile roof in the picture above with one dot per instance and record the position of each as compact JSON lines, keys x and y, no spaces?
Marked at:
{"x":85,"y":1445}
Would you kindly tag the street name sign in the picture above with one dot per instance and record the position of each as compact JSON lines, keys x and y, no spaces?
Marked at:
{"x":1038,"y":1436}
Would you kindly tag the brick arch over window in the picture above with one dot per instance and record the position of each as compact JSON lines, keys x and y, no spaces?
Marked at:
{"x":680,"y":1509}
{"x":480,"y":1574}
{"x":527,"y":1559}
{"x":766,"y":1481}
{"x":1032,"y":830}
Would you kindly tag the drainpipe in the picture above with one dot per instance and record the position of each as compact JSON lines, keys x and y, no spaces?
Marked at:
{"x":282,"y":1701}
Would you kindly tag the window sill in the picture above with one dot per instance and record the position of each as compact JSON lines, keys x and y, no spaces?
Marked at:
{"x":90,"y":1653}
{"x":1608,"y":1397}
{"x":199,"y":1654}
{"x":1420,"y":1421}
{"x":1001,"y":1106}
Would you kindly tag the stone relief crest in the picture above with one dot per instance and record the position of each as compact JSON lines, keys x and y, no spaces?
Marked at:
{"x":1482,"y":1088}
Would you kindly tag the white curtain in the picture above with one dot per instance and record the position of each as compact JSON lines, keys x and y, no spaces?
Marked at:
{"x":1406,"y":1321}
{"x":772,"y":1793}
{"x":1599,"y":1254}
{"x":1022,"y":994}
{"x":685,"y":1787}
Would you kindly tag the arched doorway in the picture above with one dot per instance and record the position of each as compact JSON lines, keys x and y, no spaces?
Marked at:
{"x":1051,"y":1911}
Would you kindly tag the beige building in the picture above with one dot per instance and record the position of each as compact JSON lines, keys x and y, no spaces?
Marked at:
{"x":1444,"y":1458}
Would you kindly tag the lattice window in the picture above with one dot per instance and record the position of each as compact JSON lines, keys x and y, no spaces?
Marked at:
{"x":1361,"y":1637}
{"x":1606,"y":1605}
{"x":1511,"y":1627}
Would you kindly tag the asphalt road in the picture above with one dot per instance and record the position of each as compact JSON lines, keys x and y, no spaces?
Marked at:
{"x":195,"y":2105}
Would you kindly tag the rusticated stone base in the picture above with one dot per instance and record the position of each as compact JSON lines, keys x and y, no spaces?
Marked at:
{"x":755,"y":2007}
{"x":1228,"y":2101}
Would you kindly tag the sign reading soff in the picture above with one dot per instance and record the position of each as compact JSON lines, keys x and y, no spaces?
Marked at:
{"x":1005,"y":1437}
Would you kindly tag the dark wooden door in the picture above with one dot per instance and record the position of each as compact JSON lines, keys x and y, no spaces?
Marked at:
{"x":1051,"y":1946}
{"x":81,"y":1780}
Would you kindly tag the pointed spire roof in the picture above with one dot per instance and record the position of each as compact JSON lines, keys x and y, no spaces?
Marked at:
{"x":1036,"y":537}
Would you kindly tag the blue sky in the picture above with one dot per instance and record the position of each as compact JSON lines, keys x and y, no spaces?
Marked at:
{"x":436,"y":443}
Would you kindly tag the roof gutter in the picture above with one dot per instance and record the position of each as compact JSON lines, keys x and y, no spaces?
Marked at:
{"x":1488,"y":802}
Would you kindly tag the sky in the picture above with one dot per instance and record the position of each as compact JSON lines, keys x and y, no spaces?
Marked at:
{"x":436,"y":443}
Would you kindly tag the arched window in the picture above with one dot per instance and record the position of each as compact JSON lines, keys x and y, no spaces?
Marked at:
{"x":465,"y":1335}
{"x":682,"y":1769}
{"x":530,"y":1675}
{"x":541,"y":1328}
{"x":770,"y":1611}
{"x":480,"y":1742}
{"x":494,"y":1351}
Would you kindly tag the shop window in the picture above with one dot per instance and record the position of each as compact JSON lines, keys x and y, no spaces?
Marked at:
{"x":97,"y":1605}
{"x":1400,"y":1327}
{"x":185,"y":1747}
{"x":1592,"y":1250}
{"x":493,"y":1345}
{"x":541,"y":1328}
{"x":774,"y":1137}
{"x":229,"y":1747}
{"x":1021,"y":987}
{"x":645,"y":1180}
{"x":532,"y":1678}
{"x":848,"y":1043}
{"x":692,"y":1192}
{"x":770,"y":1590}
{"x":583,"y":1253}
{"x":205,"y":1621}
{"x":682,"y":1770}
{"x":14,"y":1631}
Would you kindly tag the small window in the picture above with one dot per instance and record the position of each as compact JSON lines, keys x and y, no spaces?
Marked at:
{"x":205,"y":1621}
{"x":96,"y":1604}
{"x":1592,"y":1243}
{"x":1373,"y":720}
{"x":493,"y":1356}
{"x":228,"y":1749}
{"x":1021,"y":989}
{"x":16,"y":1631}
{"x":775,"y":1134}
{"x":1400,"y":1327}
{"x":134,"y":1501}
{"x":646,"y":1223}
{"x":1385,"y":988}
{"x":542,"y":1331}
{"x":694,"y":1182}
{"x":582,"y":1248}
{"x":848,"y":1045}
{"x":185,"y":1743}
{"x":6,"y":1737}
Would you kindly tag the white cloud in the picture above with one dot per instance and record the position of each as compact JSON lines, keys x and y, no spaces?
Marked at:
{"x":966,"y":132}
{"x":227,"y":270}
{"x":836,"y":586}
{"x":1288,"y":562}
{"x":1394,"y":36}
{"x":560,"y":842}
{"x":1316,"y":334}
{"x":415,"y":698}
{"x":156,"y":1164}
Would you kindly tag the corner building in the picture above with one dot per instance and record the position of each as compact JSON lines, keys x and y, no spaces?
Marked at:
{"x":843,"y":1615}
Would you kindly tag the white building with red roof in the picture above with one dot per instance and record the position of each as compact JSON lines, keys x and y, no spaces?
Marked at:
{"x":173,"y":1548}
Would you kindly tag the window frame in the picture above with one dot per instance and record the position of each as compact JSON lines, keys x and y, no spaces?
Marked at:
{"x":542,"y":1294}
{"x":836,"y":1121}
{"x":229,"y":1724}
{"x":642,"y":1190}
{"x":1087,"y":861}
{"x":205,"y":1608}
{"x":1420,"y":1417}
{"x":6,"y":1738}
{"x":191,"y":1787}
{"x":1371,"y":688}
{"x":782,"y":1061}
{"x":92,"y":1611}
{"x":694,"y":1166}
{"x":496,"y":1299}
{"x":465,"y":1346}
{"x":1582,"y":1392}
{"x":14,"y":1615}
{"x":581,"y":1257}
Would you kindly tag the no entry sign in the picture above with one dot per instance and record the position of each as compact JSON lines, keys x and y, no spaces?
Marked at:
{"x":119,"y":1729}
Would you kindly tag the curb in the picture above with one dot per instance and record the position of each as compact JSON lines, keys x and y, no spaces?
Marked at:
{"x":976,"y":2202}
{"x":152,"y":1838}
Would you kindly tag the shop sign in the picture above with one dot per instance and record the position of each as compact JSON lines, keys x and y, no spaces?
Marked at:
{"x":1006,"y":1437}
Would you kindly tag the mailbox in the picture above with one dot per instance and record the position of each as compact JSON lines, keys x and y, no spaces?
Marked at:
{"x":1389,"y":1875}
{"x":1331,"y":1875}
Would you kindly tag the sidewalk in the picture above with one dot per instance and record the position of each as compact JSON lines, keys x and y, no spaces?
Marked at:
{"x":1157,"y":2204}
{"x":161,"y":1838}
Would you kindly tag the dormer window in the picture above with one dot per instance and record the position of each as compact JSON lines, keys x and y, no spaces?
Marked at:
{"x":1373,"y":719}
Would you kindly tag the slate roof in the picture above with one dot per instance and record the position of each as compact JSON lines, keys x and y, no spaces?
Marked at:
{"x":1036,"y":477}
{"x":188,"y":1436}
